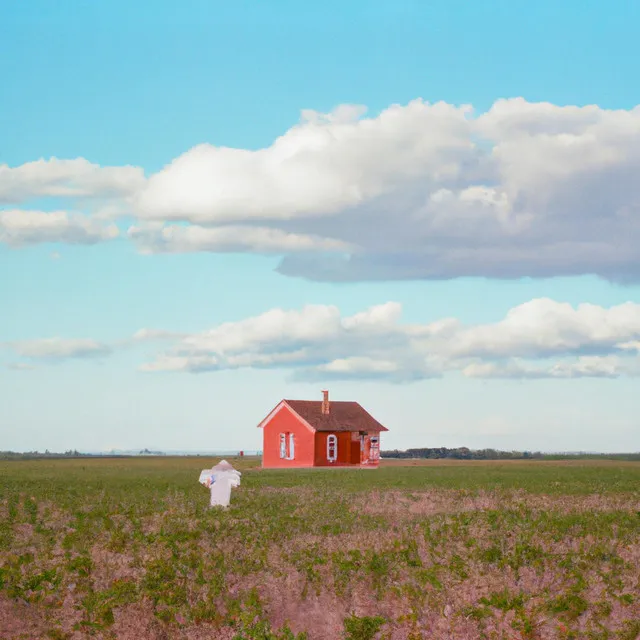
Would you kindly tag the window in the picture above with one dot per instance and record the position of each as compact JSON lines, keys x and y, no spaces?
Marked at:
{"x":287,"y":446}
{"x":374,"y":450}
{"x":332,"y":448}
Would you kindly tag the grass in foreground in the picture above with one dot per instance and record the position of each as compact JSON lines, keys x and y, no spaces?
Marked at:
{"x":128,"y":549}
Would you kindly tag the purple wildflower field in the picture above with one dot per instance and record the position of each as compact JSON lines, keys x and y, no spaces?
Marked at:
{"x":128,"y":549}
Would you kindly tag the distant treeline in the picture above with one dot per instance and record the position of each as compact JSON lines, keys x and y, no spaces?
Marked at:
{"x":463,"y":453}
{"x":459,"y":453}
{"x":30,"y":455}
{"x":35,"y":455}
{"x":49,"y":455}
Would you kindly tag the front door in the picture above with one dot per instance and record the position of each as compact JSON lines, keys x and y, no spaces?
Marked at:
{"x":355,"y":450}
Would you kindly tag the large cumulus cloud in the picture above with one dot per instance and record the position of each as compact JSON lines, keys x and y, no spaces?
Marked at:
{"x":417,"y":191}
{"x":422,"y":191}
{"x":542,"y":338}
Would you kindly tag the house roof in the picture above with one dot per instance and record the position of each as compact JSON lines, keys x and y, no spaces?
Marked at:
{"x":343,"y":416}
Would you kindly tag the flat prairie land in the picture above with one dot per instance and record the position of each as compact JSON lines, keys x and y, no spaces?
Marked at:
{"x":128,"y":548}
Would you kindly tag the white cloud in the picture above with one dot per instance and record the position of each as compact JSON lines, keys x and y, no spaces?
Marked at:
{"x":633,"y":345}
{"x":22,"y":227}
{"x":147,"y":335}
{"x":545,"y":327}
{"x":271,"y":330}
{"x":180,"y":239}
{"x":594,"y":367}
{"x":57,"y":349}
{"x":541,"y":338}
{"x":580,"y":367}
{"x":20,"y":366}
{"x":325,"y":164}
{"x":366,"y":368}
{"x":67,"y":178}
{"x":420,"y":191}
{"x":60,"y":348}
{"x":316,"y":342}
{"x":423,"y":191}
{"x":314,"y":336}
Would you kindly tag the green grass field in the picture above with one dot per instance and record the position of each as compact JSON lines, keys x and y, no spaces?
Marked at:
{"x":128,"y":548}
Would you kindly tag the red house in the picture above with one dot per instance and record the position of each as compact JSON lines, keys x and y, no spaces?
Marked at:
{"x":308,"y":433}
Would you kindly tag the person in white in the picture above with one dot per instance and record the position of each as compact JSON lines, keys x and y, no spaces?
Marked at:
{"x":219,"y":480}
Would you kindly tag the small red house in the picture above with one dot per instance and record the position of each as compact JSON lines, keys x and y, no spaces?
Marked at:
{"x":308,"y":433}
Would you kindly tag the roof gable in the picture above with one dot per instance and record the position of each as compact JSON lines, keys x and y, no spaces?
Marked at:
{"x":343,"y":416}
{"x":283,"y":406}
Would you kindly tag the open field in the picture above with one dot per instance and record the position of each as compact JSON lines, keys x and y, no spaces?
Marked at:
{"x":127,"y":548}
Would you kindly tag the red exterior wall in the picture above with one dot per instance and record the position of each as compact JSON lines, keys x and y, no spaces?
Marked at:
{"x":285,"y":421}
{"x":344,"y":449}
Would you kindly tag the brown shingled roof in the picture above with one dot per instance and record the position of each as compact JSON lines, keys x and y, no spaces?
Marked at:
{"x":343,"y":416}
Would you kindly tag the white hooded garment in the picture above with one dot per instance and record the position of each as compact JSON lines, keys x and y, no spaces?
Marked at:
{"x":219,"y":480}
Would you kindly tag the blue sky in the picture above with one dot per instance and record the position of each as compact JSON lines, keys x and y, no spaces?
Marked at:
{"x":472,"y":275}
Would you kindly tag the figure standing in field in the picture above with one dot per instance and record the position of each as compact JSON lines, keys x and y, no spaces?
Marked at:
{"x":219,"y":480}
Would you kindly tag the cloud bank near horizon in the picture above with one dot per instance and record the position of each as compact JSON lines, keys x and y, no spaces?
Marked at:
{"x":539,"y":339}
{"x":420,"y":191}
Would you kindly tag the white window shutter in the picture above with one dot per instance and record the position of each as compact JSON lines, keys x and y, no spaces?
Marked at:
{"x":291,"y":446}
{"x":283,"y":446}
{"x":332,"y":448}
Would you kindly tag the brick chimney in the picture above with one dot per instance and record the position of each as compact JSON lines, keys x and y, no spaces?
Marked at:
{"x":325,"y":403}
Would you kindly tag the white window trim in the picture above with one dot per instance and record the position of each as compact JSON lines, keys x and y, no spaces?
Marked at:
{"x":292,"y":447}
{"x":283,"y":446}
{"x":332,"y":440}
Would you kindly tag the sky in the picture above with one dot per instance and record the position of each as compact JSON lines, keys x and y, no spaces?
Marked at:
{"x":431,"y":208}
